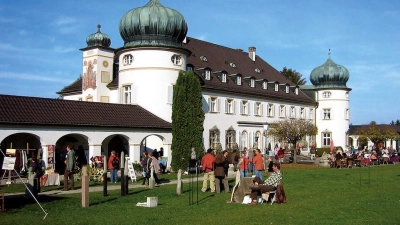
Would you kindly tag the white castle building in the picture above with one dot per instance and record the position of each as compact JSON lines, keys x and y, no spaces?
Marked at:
{"x":123,"y":99}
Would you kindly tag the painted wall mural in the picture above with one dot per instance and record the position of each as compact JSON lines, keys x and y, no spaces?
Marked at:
{"x":89,"y":78}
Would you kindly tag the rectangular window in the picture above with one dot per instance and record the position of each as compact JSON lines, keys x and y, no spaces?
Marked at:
{"x":282,"y":111}
{"x":292,"y":112}
{"x":287,"y":89}
{"x":327,"y":114}
{"x":258,"y":109}
{"x":347,"y":114}
{"x":229,"y":106}
{"x":270,"y":110}
{"x":127,"y":94}
{"x":265,"y":85}
{"x":213,"y":103}
{"x":239,"y":80}
{"x":326,"y":139}
{"x":207,"y":74}
{"x":244,"y":108}
{"x":252,"y":83}
{"x":223,"y":77}
{"x":276,"y":87}
{"x":311,"y":114}
{"x":105,"y":77}
{"x":302,"y":113}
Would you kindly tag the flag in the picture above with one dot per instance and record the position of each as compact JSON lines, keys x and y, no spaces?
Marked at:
{"x":332,"y":146}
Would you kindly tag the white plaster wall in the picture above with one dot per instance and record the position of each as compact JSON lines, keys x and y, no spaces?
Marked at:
{"x":150,"y":74}
{"x":338,"y":124}
{"x":224,"y":121}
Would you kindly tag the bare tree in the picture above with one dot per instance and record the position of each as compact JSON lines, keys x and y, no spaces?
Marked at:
{"x":292,"y":131}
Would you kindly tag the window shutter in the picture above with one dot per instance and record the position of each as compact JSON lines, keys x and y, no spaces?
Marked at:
{"x":134,"y":98}
{"x":170,"y":94}
{"x":209,"y":104}
{"x":241,"y":107}
{"x":233,"y":106}
{"x":255,"y":108}
{"x":331,"y":112}
{"x":261,"y":109}
{"x":226,"y":105}
{"x":218,"y":104}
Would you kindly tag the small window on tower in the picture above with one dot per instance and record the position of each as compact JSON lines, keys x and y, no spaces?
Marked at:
{"x":128,"y":59}
{"x":176,"y":60}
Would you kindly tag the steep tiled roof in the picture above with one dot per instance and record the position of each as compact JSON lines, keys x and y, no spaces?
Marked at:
{"x":353,"y":128}
{"x":46,"y":111}
{"x":219,"y":58}
{"x":74,"y":88}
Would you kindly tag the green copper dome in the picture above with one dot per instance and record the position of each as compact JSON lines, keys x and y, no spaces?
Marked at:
{"x":329,"y":75}
{"x":98,"y":39}
{"x":153,"y":25}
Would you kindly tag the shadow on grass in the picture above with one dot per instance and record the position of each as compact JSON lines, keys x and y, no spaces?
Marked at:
{"x":14,"y":202}
{"x":103,"y":201}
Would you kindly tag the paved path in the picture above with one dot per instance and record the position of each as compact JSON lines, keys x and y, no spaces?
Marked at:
{"x":185,"y":179}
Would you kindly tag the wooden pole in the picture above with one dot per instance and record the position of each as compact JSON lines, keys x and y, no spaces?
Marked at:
{"x":85,"y":188}
{"x":122,"y":173}
{"x":105,"y":177}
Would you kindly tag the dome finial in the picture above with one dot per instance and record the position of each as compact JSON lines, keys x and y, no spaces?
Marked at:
{"x":98,"y":28}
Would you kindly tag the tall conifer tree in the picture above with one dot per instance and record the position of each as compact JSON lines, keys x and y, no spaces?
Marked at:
{"x":187,"y":119}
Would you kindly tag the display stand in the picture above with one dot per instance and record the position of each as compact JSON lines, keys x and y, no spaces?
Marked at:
{"x":131,"y":170}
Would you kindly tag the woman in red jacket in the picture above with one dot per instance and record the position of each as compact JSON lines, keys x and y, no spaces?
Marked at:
{"x":113,"y":165}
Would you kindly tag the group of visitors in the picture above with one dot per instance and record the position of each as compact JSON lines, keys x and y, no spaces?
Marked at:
{"x":215,"y":170}
{"x":148,"y":164}
{"x":363,"y":157}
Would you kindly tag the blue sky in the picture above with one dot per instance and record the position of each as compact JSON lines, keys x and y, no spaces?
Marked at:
{"x":40,"y":41}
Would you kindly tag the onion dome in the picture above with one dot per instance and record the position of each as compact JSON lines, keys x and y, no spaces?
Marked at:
{"x":98,"y":39}
{"x":153,"y":25}
{"x":329,"y":75}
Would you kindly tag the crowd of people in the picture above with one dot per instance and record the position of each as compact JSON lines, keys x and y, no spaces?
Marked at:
{"x":363,"y":157}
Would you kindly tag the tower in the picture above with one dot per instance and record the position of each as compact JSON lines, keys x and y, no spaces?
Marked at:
{"x":97,"y":67}
{"x":333,"y":112}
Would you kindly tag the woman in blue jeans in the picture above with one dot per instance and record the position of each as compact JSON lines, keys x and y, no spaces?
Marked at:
{"x":243,"y":164}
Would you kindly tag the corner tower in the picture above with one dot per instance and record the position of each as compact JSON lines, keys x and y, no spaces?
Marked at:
{"x":152,"y":56}
{"x":97,"y":67}
{"x":333,"y":96}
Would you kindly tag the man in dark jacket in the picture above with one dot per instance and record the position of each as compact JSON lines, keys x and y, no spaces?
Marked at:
{"x":69,"y":168}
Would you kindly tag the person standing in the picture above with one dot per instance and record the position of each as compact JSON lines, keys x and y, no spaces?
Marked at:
{"x":69,"y":168}
{"x":235,"y":160}
{"x":207,"y":163}
{"x":251,"y":156}
{"x":152,"y":163}
{"x":113,"y":165}
{"x":258,"y":164}
{"x":312,"y":152}
{"x":243,"y":164}
{"x":143,"y":163}
{"x":219,"y":171}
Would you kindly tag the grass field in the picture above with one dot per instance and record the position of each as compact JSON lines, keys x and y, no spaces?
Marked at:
{"x":314,"y":196}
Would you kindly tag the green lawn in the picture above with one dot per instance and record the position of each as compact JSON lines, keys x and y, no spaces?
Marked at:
{"x":314,"y":196}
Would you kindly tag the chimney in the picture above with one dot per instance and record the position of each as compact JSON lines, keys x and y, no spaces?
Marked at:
{"x":252,"y":53}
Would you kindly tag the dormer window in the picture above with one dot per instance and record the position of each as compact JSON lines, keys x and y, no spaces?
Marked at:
{"x":189,"y":68}
{"x":287,"y":89}
{"x":239,"y":80}
{"x":232,"y":65}
{"x":264,"y":85}
{"x":203,"y":58}
{"x":207,"y":74}
{"x":128,"y":59}
{"x":257,"y":70}
{"x":252,"y":83}
{"x":176,"y":60}
{"x":276,"y":87}
{"x":223,"y":77}
{"x":296,"y":91}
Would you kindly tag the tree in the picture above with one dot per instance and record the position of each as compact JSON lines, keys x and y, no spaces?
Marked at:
{"x":378,"y":133}
{"x":294,"y":76}
{"x":292,"y":131}
{"x":187,"y":120}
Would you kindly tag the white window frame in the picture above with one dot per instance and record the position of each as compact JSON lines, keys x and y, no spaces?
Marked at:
{"x":252,"y":82}
{"x":127,"y":94}
{"x":271,"y":110}
{"x":326,"y":94}
{"x":282,"y":111}
{"x":213,"y":103}
{"x":347,"y":114}
{"x":265,"y":85}
{"x":296,"y":91}
{"x":128,"y":59}
{"x":302,"y":113}
{"x":230,"y":106}
{"x":327,"y":114}
{"x":292,"y":112}
{"x":258,"y":109}
{"x":207,"y":74}
{"x":176,"y":60}
{"x":239,"y":80}
{"x":326,"y":138}
{"x":223,"y":77}
{"x":287,"y":89}
{"x":276,"y":87}
{"x":244,"y":107}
